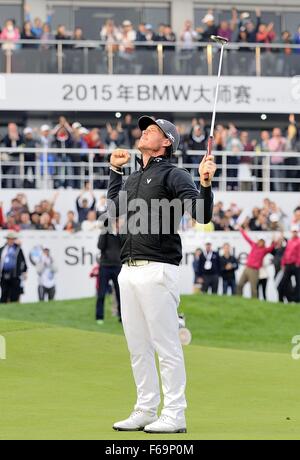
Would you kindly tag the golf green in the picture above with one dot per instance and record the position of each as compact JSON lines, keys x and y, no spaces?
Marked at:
{"x":63,"y":382}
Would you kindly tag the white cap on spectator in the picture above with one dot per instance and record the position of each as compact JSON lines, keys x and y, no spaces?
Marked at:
{"x":76,"y":125}
{"x":294,"y":228}
{"x":28,"y":130}
{"x":245,"y":15}
{"x":45,"y":128}
{"x":83,"y":130}
{"x":126,"y":23}
{"x":208,"y":18}
{"x":274,"y":218}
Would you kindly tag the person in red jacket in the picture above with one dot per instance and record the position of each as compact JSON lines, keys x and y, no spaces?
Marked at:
{"x":2,"y":220}
{"x":254,"y":263}
{"x":291,"y":268}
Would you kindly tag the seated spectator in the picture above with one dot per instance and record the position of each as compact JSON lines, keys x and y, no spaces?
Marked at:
{"x":296,"y":218}
{"x":71,"y":225}
{"x":36,"y":221}
{"x":91,"y":223}
{"x":11,"y":224}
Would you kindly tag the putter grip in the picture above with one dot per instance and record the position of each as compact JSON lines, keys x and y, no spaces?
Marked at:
{"x":209,"y":150}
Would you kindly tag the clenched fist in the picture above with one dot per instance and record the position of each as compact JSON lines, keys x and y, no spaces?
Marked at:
{"x":207,"y":166}
{"x":119,"y":158}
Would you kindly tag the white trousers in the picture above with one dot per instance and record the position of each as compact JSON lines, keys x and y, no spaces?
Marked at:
{"x":149,"y":302}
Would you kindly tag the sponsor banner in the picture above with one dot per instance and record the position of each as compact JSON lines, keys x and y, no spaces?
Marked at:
{"x":105,"y":93}
{"x":76,"y":255}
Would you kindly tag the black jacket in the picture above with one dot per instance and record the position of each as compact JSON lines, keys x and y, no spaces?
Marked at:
{"x":110,"y":247}
{"x":228,"y":274}
{"x":160,"y":180}
{"x":21,"y":266}
{"x":215,"y":268}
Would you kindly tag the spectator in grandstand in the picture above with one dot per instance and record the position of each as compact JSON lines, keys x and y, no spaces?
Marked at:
{"x":46,"y":159}
{"x":254,"y":263}
{"x":46,"y":271}
{"x":2,"y":219}
{"x":61,"y":33}
{"x":25,"y":221}
{"x":209,"y":266}
{"x":82,"y":203}
{"x":197,"y":141}
{"x":11,"y":34}
{"x":12,"y":269}
{"x":27,"y":34}
{"x":285,"y":62}
{"x":56,"y":221}
{"x":12,"y":139}
{"x":251,"y":28}
{"x":291,"y":269}
{"x":292,"y":137}
{"x":30,"y":158}
{"x":110,"y":266}
{"x":296,"y":40}
{"x":198,"y":280}
{"x":127,"y":47}
{"x":160,"y":34}
{"x":91,"y":223}
{"x":45,"y":222}
{"x":228,"y":266}
{"x":296,"y":218}
{"x":141,"y":33}
{"x":78,"y":36}
{"x":115,"y":136}
{"x":35,"y":219}
{"x":210,"y":28}
{"x":277,"y":145}
{"x":188,"y":37}
{"x":63,"y":140}
{"x":71,"y":225}
{"x":111,"y":35}
{"x":37,"y":27}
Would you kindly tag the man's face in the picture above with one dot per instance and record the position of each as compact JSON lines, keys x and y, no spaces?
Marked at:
{"x":208,"y":247}
{"x":153,"y":139}
{"x":11,"y":241}
{"x":261,"y":243}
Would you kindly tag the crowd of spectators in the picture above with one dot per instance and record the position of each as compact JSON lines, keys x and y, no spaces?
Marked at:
{"x":44,"y":216}
{"x":213,"y":266}
{"x":66,"y":170}
{"x":89,"y":210}
{"x":122,"y":39}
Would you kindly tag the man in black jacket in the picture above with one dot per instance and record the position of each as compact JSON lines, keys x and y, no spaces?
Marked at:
{"x":209,"y":266}
{"x":228,"y":267}
{"x":110,"y":267}
{"x":149,"y":280}
{"x":12,"y":268}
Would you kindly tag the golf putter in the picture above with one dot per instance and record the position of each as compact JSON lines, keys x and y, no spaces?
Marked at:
{"x":222,"y":41}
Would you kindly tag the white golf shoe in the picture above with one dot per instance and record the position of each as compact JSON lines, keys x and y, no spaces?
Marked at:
{"x":166,"y":424}
{"x":136,"y":421}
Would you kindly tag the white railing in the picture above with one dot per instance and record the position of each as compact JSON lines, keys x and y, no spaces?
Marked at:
{"x":89,"y":56}
{"x":54,"y":168}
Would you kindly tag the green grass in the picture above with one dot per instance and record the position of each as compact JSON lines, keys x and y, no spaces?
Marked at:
{"x":66,"y":378}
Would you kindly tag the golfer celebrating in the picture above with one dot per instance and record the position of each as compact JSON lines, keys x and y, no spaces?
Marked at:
{"x":149,"y":279}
